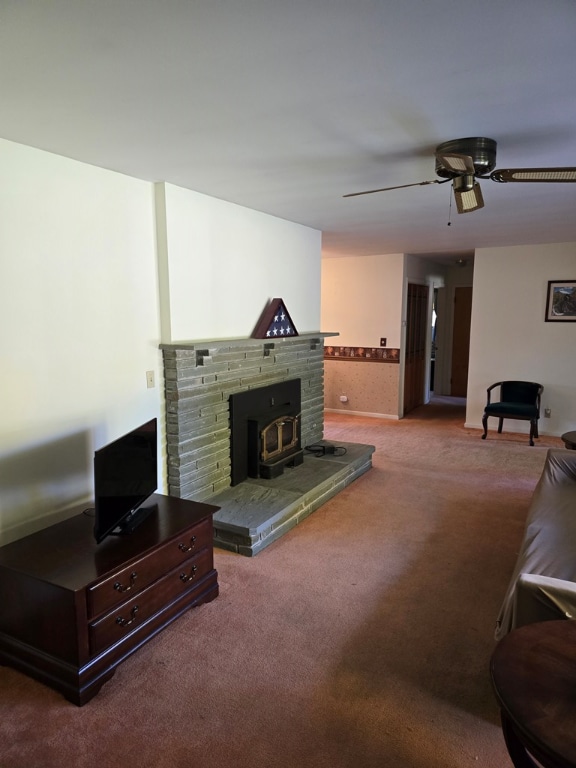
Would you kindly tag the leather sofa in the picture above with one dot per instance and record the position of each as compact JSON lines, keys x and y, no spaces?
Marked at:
{"x":543,"y":585}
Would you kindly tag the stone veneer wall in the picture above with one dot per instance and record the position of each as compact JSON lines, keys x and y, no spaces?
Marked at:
{"x":199,"y":377}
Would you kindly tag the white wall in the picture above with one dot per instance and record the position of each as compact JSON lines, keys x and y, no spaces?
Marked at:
{"x":510,"y":338}
{"x":221,"y":264}
{"x":79,"y":323}
{"x":81,"y":313}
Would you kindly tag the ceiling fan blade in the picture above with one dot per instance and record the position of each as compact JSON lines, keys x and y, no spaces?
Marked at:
{"x":456,"y":162}
{"x":401,"y":186}
{"x":550,"y":175}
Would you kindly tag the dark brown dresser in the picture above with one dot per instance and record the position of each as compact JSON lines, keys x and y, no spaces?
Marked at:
{"x":71,"y":610}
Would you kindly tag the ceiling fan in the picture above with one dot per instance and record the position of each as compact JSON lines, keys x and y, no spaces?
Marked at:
{"x":462,"y":161}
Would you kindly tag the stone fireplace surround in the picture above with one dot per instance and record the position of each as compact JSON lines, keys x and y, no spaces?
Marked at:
{"x":199,"y":379}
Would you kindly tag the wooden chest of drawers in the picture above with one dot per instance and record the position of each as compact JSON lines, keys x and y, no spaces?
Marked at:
{"x":71,"y":610}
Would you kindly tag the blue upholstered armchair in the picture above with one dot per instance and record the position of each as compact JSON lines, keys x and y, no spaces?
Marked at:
{"x":518,"y":400}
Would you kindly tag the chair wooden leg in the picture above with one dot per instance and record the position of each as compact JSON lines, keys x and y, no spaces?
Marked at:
{"x":500,"y":422}
{"x":485,"y":425}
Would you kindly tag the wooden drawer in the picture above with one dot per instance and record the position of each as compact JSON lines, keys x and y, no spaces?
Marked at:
{"x":133,"y":579}
{"x":132,"y":614}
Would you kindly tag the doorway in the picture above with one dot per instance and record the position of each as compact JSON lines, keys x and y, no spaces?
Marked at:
{"x":433,"y":338}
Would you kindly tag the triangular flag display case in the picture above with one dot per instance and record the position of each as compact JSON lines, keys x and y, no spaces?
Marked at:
{"x":275,"y":322}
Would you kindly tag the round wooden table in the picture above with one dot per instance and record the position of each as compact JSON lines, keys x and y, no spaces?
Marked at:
{"x":534,"y":678}
{"x":569,"y":440}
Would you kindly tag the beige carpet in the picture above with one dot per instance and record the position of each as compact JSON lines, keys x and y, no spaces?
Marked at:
{"x":361,"y":638}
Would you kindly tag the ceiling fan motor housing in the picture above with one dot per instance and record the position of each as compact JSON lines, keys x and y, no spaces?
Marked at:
{"x":481,"y":150}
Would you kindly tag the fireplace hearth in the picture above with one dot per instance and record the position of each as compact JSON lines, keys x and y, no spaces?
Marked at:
{"x":265,"y":431}
{"x":257,"y":512}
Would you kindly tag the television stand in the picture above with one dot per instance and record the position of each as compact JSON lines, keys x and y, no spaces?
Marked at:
{"x":136,"y":518}
{"x":73,"y":610}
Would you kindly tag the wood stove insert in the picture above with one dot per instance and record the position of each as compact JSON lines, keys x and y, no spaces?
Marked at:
{"x":265,"y":430}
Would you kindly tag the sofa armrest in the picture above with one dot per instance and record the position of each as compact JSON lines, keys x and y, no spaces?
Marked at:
{"x":545,"y":569}
{"x":543,"y":598}
{"x":561,"y":465}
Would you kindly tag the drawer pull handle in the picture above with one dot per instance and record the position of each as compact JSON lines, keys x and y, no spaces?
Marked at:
{"x":126,"y":622}
{"x":184,"y":548}
{"x":185,"y":577}
{"x":119,"y":588}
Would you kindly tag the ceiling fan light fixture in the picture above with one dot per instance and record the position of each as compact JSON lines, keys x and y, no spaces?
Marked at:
{"x":467,"y":194}
{"x":475,"y":155}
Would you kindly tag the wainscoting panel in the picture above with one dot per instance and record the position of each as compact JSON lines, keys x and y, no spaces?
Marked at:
{"x":370,"y":388}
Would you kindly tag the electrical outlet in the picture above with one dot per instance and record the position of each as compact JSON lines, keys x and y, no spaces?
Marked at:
{"x":547,"y":413}
{"x":150,"y":379}
{"x":383,"y":341}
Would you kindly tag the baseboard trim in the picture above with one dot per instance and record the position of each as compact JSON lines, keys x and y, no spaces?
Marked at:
{"x":363,"y":413}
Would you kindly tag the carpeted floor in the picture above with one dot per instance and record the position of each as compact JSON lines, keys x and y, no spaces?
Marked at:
{"x":362,"y":638}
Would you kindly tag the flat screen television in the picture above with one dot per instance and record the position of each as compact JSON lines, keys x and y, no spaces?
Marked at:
{"x":125,"y":476}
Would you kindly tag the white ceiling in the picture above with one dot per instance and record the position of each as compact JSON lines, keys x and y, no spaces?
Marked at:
{"x":286,"y":105}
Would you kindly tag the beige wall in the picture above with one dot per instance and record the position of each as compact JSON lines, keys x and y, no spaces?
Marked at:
{"x":363,"y":299}
{"x":362,"y":302}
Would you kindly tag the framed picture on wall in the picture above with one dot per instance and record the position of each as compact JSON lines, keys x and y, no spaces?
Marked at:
{"x":561,"y":301}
